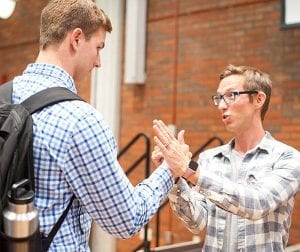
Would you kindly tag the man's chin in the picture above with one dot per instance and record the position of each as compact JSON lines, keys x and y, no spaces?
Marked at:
{"x":229,"y":128}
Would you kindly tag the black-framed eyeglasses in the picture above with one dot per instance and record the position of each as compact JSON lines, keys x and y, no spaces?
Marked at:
{"x":230,"y":97}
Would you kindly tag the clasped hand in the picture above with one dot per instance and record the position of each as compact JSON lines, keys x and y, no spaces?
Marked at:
{"x":170,"y":150}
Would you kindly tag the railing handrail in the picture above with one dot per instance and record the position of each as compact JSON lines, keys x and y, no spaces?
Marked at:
{"x":208,"y":142}
{"x":146,"y":155}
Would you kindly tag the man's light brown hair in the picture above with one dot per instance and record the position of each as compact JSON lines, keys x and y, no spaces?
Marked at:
{"x":61,"y":16}
{"x":254,"y":80}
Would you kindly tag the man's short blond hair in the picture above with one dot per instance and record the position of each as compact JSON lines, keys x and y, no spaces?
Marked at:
{"x":61,"y":16}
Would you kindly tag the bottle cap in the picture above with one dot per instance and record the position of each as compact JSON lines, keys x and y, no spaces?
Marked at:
{"x":19,"y":195}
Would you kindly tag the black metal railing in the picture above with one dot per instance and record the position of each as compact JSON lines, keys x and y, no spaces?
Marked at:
{"x":145,"y":245}
{"x":198,"y":151}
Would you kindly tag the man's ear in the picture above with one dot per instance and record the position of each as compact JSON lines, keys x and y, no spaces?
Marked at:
{"x":260,"y":99}
{"x":76,"y":38}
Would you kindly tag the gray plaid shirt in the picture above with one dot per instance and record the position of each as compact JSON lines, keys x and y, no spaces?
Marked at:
{"x":262,"y":196}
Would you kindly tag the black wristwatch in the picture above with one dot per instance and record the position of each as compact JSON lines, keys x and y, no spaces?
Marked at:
{"x":191,"y":170}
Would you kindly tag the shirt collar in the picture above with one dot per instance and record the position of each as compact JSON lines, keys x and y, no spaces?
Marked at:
{"x":264,"y":145}
{"x":61,"y":77}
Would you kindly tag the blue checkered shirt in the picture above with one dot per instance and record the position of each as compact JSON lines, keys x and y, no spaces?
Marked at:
{"x":76,"y":153}
{"x":262,"y":197}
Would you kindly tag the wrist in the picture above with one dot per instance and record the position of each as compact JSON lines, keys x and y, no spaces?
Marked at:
{"x":194,"y":179}
{"x":191,"y":171}
{"x":192,"y":168}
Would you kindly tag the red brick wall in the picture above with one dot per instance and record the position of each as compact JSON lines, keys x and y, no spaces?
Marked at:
{"x":188,"y":45}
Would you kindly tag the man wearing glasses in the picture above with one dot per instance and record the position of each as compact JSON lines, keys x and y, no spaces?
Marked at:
{"x":243,"y":192}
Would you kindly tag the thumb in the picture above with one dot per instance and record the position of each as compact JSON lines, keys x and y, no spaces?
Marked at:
{"x":180,"y":137}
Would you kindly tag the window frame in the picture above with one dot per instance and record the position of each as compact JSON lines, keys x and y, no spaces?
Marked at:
{"x":284,"y":25}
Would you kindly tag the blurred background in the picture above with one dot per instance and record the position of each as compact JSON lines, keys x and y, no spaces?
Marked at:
{"x":162,"y":60}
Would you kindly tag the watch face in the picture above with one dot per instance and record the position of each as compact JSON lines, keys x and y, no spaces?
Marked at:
{"x":193,"y":165}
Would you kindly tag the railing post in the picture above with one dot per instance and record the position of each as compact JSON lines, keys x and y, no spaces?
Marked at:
{"x":147,"y":173}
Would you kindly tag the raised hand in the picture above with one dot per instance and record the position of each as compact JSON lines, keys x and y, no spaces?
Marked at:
{"x":175,"y":152}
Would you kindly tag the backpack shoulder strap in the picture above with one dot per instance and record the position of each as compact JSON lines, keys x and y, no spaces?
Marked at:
{"x":41,"y":99}
{"x":6,"y":91}
{"x":47,"y":240}
{"x":49,"y":97}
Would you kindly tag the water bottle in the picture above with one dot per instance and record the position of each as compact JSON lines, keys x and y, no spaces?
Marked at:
{"x":20,"y":219}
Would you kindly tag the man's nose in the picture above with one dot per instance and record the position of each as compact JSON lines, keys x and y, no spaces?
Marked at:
{"x":222,"y":104}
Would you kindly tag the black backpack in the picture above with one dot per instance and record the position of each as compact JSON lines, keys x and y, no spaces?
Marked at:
{"x":16,"y":151}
